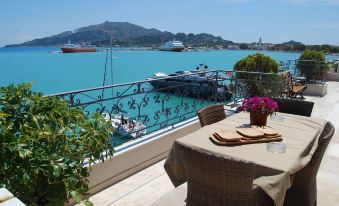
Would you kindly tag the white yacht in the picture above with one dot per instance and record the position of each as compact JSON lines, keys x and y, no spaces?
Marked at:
{"x":172,"y":45}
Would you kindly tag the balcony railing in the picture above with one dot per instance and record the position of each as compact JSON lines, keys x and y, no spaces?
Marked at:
{"x":292,"y":65}
{"x":165,"y":101}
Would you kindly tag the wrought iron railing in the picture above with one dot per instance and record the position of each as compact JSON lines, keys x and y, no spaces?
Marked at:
{"x":310,"y":68}
{"x":156,"y":103}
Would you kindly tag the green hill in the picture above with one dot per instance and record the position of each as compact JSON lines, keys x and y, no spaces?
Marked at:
{"x":124,"y":34}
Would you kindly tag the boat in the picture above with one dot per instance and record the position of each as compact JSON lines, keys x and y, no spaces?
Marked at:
{"x":73,"y":48}
{"x":172,"y":45}
{"x":192,"y":84}
{"x":122,"y":124}
{"x":125,"y":126}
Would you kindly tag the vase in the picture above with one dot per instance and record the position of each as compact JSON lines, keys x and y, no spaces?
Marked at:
{"x":258,"y":119}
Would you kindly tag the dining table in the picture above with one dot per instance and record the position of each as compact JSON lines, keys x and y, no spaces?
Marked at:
{"x":273,"y":171}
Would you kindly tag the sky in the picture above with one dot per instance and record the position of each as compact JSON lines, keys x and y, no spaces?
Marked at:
{"x":276,"y":21}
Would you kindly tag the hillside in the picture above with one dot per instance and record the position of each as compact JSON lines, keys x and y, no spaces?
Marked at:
{"x":122,"y":33}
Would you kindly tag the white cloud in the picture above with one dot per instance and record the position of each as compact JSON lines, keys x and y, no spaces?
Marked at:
{"x":315,"y":2}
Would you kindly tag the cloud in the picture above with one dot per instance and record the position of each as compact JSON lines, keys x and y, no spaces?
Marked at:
{"x":315,"y":2}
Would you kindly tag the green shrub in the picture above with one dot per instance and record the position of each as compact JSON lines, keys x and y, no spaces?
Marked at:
{"x":258,"y":84}
{"x":44,"y":146}
{"x":312,"y":65}
{"x":257,"y":63}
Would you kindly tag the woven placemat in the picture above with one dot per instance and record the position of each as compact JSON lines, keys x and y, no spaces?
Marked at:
{"x":244,"y":141}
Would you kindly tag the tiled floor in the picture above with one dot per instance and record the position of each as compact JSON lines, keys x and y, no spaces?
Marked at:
{"x":148,"y":185}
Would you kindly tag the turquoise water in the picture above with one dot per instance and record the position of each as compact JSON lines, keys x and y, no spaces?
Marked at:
{"x":54,"y":73}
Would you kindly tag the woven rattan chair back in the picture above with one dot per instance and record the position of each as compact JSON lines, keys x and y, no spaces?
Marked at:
{"x":304,"y":189}
{"x":294,"y":106}
{"x":211,"y":114}
{"x":217,"y":180}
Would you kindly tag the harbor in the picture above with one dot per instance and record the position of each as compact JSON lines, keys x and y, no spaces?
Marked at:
{"x":169,"y":103}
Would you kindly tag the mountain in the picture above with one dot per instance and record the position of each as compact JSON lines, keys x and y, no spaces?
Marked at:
{"x":122,"y":33}
{"x":293,"y":43}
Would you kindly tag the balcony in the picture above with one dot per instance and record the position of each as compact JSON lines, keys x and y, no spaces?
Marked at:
{"x":135,"y":175}
{"x":152,"y":182}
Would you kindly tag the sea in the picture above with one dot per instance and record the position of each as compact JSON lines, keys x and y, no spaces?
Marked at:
{"x":52,"y":72}
{"x":57,"y":72}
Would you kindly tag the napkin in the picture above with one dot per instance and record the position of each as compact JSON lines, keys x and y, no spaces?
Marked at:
{"x":250,"y":133}
{"x":227,"y":135}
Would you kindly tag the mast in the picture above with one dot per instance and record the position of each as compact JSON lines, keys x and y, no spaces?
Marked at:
{"x":111,"y":58}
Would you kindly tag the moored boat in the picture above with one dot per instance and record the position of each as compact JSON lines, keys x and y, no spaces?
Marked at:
{"x":192,"y":84}
{"x":125,"y":126}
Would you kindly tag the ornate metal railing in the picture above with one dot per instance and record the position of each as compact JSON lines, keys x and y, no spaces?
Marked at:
{"x":292,"y":65}
{"x":146,"y":106}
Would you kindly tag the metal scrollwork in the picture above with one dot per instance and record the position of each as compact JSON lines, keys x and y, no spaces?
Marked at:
{"x":160,"y":106}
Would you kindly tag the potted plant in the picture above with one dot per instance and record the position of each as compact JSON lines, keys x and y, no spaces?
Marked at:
{"x":312,"y":64}
{"x":332,"y":74}
{"x":258,"y":84}
{"x":45,"y":146}
{"x":259,"y":109}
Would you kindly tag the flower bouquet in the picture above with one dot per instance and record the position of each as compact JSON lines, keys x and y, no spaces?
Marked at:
{"x":259,"y":108}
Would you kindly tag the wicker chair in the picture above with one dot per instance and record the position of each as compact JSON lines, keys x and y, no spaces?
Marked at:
{"x":220,"y":181}
{"x":304,"y":188}
{"x":211,"y":114}
{"x":294,"y":106}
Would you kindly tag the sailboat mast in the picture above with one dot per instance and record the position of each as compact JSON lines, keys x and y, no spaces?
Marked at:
{"x":111,"y":58}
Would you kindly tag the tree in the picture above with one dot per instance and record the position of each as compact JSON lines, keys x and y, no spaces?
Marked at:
{"x":312,"y":64}
{"x":243,"y":46}
{"x":258,"y":84}
{"x":257,"y":63}
{"x":45,"y":146}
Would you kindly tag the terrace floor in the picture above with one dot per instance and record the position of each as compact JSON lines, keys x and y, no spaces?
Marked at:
{"x":148,"y":185}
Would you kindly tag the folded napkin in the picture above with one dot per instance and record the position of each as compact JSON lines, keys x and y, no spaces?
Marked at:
{"x":226,"y":135}
{"x":266,"y":130}
{"x":250,"y":133}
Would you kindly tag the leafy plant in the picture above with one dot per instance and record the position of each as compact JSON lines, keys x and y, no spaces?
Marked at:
{"x":312,"y":65}
{"x":256,"y":84}
{"x":45,"y":146}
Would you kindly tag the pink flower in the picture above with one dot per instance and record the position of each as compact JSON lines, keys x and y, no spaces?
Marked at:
{"x":262,"y":105}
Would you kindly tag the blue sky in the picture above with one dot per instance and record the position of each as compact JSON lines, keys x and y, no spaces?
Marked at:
{"x":308,"y":21}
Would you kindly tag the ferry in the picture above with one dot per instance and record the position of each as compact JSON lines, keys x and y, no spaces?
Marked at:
{"x":192,"y":84}
{"x":73,"y":48}
{"x":172,"y":45}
